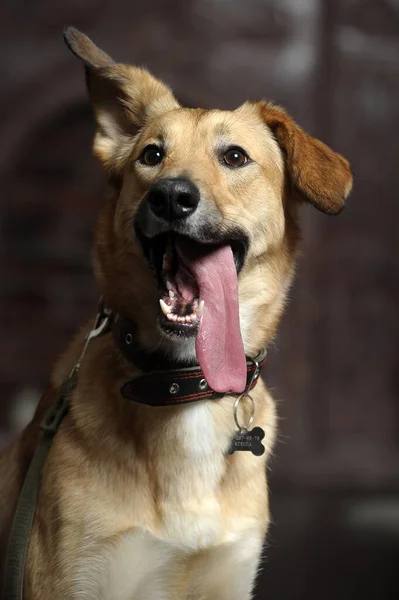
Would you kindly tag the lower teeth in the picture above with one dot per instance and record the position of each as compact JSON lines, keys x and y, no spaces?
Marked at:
{"x":188,"y":319}
{"x":171,"y":316}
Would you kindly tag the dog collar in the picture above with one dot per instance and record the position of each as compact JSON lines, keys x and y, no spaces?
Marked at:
{"x":165,"y":384}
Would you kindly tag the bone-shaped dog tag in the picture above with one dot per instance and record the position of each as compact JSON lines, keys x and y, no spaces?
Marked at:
{"x":250,"y":441}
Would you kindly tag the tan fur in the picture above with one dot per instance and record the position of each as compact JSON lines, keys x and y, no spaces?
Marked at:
{"x":137,"y":502}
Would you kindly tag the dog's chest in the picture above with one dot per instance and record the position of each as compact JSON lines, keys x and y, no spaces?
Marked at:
{"x":140,"y":564}
{"x":188,"y":480}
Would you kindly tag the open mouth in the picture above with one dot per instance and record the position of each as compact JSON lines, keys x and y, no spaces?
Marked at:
{"x":180,"y":304}
{"x":198,"y":297}
{"x":181,"y":307}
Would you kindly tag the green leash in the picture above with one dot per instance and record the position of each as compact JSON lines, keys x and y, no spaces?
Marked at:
{"x":23,"y":518}
{"x":26,"y":507}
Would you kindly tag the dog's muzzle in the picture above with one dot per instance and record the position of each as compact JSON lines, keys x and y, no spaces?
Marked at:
{"x":196,"y":260}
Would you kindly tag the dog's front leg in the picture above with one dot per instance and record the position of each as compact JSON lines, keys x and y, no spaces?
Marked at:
{"x":228,"y":572}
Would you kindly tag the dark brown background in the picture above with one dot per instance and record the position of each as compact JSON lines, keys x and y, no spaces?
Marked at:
{"x":334,"y":65}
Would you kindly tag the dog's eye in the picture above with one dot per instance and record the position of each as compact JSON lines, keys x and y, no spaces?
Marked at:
{"x":151,"y":155}
{"x":235,"y":157}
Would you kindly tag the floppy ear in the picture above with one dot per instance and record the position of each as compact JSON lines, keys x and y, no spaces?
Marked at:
{"x":123,"y":98}
{"x":320,"y":175}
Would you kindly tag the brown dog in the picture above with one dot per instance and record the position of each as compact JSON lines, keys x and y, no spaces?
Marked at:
{"x":138,"y":502}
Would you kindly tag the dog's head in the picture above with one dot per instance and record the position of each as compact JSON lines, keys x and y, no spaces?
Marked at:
{"x":197,"y":244}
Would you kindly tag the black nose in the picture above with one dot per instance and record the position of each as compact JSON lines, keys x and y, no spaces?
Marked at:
{"x":172,"y":199}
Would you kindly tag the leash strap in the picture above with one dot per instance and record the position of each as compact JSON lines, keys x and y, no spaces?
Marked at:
{"x":26,"y":507}
{"x":23,"y":518}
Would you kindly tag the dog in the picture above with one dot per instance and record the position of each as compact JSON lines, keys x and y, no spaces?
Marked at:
{"x":195,"y":249}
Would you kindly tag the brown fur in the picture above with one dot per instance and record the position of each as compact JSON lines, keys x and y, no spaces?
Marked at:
{"x":115,"y":468}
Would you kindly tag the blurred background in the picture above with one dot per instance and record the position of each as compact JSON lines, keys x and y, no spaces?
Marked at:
{"x":334,"y":64}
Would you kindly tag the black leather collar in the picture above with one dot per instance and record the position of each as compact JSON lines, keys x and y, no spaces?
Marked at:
{"x":164,"y":383}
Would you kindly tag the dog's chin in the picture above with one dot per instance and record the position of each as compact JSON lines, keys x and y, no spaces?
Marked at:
{"x":178,"y":349}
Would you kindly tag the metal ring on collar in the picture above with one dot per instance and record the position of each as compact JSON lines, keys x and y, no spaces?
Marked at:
{"x":259,"y":357}
{"x":252,"y":415}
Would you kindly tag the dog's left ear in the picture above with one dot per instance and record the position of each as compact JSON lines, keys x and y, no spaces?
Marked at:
{"x":319,"y":174}
{"x":123,"y":98}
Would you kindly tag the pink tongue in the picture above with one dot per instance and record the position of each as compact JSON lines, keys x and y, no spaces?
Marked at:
{"x":219,"y":346}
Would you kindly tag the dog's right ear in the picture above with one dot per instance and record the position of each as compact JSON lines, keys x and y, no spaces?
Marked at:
{"x":123,"y":98}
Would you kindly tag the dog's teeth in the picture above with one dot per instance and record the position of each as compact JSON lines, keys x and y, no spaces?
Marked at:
{"x":169,"y":316}
{"x":171,"y":294}
{"x":168,"y":285}
{"x":173,"y":317}
{"x":188,"y":319}
{"x":193,"y":316}
{"x":200,"y":309}
{"x":164,"y":307}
